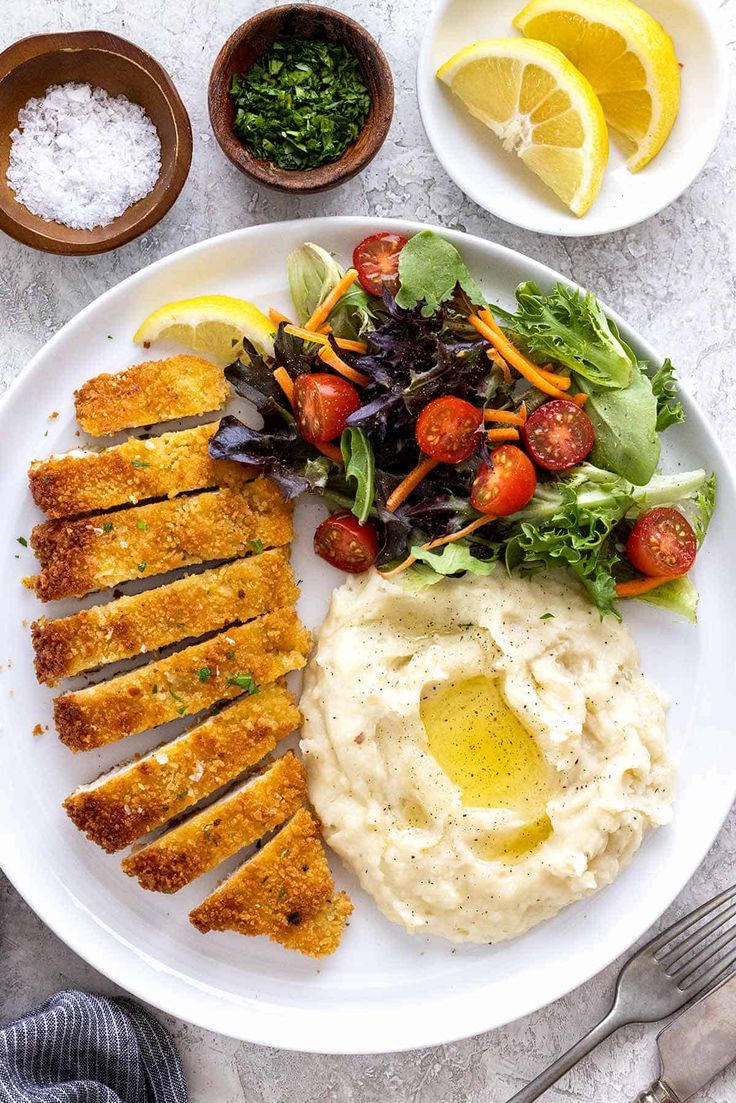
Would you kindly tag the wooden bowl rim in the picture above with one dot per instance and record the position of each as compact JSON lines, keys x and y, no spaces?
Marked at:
{"x":102,"y":239}
{"x":301,"y":181}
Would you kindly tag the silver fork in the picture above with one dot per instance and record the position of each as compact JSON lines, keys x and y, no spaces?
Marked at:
{"x":674,"y":968}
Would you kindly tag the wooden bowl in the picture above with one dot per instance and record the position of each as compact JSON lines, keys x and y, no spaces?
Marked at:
{"x":252,"y":39}
{"x":107,"y":61}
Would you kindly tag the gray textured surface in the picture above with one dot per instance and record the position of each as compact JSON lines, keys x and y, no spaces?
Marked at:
{"x":673,"y":278}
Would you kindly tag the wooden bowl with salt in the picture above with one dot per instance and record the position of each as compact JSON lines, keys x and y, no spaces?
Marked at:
{"x":29,"y":67}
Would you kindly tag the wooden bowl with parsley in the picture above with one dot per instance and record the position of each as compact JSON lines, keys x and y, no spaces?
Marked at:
{"x":301,"y":98}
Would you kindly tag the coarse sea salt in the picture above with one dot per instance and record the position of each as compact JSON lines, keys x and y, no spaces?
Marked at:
{"x":81,"y":157}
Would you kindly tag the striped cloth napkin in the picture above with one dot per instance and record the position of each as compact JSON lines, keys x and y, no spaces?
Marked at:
{"x":80,"y":1048}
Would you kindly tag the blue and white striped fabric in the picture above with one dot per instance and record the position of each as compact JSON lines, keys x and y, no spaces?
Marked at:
{"x":80,"y":1048}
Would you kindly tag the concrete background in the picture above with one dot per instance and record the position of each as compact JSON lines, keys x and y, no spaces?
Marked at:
{"x":673,"y":278}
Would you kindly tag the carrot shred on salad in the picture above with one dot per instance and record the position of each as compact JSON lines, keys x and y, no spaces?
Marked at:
{"x":277,"y":317}
{"x":499,"y":361}
{"x":638,"y":586}
{"x":507,"y":417}
{"x":325,"y":308}
{"x":321,"y":339}
{"x":330,"y":357}
{"x":511,"y":354}
{"x":284,"y":381}
{"x":478,"y":523}
{"x":411,"y":482}
{"x":507,"y":434}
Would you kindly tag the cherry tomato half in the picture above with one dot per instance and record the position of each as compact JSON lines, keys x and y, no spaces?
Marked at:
{"x":446,"y":429}
{"x":344,"y":543}
{"x":323,"y":403}
{"x":558,"y":435}
{"x":506,"y":485}
{"x":377,"y":261}
{"x":662,"y":542}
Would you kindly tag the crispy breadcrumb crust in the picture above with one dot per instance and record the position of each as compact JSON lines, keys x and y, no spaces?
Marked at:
{"x":156,"y":390}
{"x":92,"y":553}
{"x":160,"y":467}
{"x":183,"y":683}
{"x":143,"y":794}
{"x":234,"y":821}
{"x":318,"y":935}
{"x":190,"y":607}
{"x":284,"y":883}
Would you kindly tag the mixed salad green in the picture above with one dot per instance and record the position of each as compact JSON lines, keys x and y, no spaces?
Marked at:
{"x":452,"y":436}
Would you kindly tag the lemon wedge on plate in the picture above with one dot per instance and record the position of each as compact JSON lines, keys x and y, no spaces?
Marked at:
{"x":213,"y":324}
{"x":540,"y":107}
{"x":628,"y":58}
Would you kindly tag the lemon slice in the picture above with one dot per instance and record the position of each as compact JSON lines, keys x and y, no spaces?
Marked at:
{"x":213,"y":324}
{"x":540,"y":107}
{"x":628,"y":58}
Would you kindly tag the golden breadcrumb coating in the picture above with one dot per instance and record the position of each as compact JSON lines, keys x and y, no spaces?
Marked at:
{"x":184,"y":683}
{"x":160,"y":467}
{"x":190,"y":607}
{"x":92,"y":553}
{"x":157,"y":390}
{"x":283,"y":884}
{"x":143,"y":794}
{"x":236,"y":820}
{"x":318,"y":935}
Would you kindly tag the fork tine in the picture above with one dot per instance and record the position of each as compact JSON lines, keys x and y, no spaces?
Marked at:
{"x":673,"y":957}
{"x":706,"y":955}
{"x":714,"y":974}
{"x":690,"y":920}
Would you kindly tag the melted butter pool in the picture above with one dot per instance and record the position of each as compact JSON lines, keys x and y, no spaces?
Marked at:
{"x":483,"y":747}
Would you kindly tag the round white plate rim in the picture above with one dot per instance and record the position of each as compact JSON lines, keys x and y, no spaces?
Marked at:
{"x":425,"y":76}
{"x":293,"y":1030}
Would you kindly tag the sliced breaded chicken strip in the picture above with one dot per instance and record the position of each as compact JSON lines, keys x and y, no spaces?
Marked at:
{"x":317,"y":935}
{"x":93,"y":553}
{"x":160,"y":467}
{"x":141,"y":795}
{"x":157,"y":390}
{"x":285,"y":884}
{"x":190,"y":607}
{"x":234,"y":662}
{"x":236,"y":820}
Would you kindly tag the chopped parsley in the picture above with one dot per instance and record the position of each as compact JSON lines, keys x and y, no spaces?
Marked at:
{"x":231,"y":655}
{"x":182,"y":703}
{"x":154,"y":689}
{"x":256,"y":546}
{"x":182,"y":794}
{"x":243,"y":681}
{"x":203,"y":673}
{"x":139,"y":463}
{"x":142,"y":525}
{"x":108,"y":526}
{"x":22,"y":540}
{"x":301,"y":104}
{"x":142,"y":566}
{"x":547,"y":616}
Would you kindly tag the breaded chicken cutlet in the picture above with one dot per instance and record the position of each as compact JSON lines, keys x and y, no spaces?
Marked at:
{"x":125,"y":474}
{"x":190,"y":607}
{"x":284,"y":891}
{"x":239,"y":818}
{"x":154,"y":391}
{"x":92,"y":553}
{"x":236,"y":661}
{"x":143,"y":794}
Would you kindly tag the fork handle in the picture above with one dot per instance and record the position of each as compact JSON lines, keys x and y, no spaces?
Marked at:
{"x":658,"y":1093}
{"x":612,"y":1022}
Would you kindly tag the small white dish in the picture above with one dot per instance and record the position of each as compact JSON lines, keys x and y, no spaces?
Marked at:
{"x":498,"y":181}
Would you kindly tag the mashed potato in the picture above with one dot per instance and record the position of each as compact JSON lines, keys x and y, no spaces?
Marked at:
{"x":482,"y":753}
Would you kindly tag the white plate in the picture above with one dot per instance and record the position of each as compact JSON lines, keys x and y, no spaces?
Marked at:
{"x":502,"y":184}
{"x":383,"y":990}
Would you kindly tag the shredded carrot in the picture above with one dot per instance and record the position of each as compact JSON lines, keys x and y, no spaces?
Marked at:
{"x":639,"y":586}
{"x":507,"y":417}
{"x":332,"y":451}
{"x":321,"y":339}
{"x":276,"y":316}
{"x":323,"y":311}
{"x":490,"y":321}
{"x":514,"y":357}
{"x":579,"y":399}
{"x":411,"y":482}
{"x":328,"y":354}
{"x":563,"y":382}
{"x":503,"y":434}
{"x":408,"y":562}
{"x":284,"y":381}
{"x":476,"y":524}
{"x":499,"y":361}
